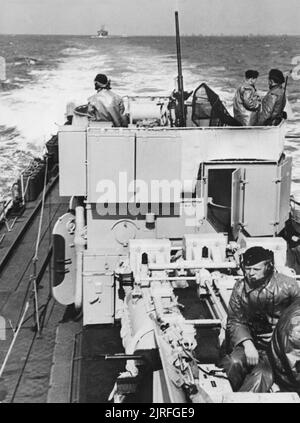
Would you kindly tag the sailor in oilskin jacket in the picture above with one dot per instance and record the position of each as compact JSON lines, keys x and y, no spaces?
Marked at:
{"x":256,"y":304}
{"x":285,"y":349}
{"x":246,"y":102}
{"x":106,"y":105}
{"x":274,"y":102}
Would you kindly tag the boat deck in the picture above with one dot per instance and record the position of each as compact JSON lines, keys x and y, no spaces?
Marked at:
{"x":26,"y":374}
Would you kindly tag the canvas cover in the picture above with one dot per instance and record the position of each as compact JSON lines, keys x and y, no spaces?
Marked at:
{"x":208,"y":106}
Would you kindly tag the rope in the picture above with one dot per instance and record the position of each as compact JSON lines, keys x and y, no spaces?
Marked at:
{"x":42,"y":212}
{"x":22,"y":370}
{"x":35,"y":258}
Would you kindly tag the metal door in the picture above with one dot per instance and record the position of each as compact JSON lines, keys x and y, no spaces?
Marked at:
{"x":260,"y":200}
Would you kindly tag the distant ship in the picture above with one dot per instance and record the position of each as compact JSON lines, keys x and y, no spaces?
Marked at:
{"x":102,"y":33}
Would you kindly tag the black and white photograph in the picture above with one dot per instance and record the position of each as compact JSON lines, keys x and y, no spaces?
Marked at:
{"x":150,"y":204}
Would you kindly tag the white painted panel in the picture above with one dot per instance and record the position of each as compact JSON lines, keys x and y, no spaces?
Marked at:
{"x":260,"y":200}
{"x":72,"y":156}
{"x":110,"y":161}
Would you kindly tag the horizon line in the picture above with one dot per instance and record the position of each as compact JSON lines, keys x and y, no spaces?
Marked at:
{"x":159,"y":35}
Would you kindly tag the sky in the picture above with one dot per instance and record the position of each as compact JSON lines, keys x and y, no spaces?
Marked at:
{"x":150,"y":17}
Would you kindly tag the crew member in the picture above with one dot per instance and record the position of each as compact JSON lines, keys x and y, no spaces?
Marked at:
{"x":274,"y":102}
{"x":256,"y":303}
{"x":105,"y":105}
{"x":246,"y":102}
{"x":285,"y":349}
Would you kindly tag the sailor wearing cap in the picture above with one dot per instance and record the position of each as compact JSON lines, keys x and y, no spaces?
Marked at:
{"x":274,"y":101}
{"x":106,"y":105}
{"x":246,"y":101}
{"x":256,"y":303}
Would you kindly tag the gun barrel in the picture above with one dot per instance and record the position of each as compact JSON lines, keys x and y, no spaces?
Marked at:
{"x":180,"y":77}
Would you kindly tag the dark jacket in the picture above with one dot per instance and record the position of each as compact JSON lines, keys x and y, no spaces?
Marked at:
{"x":272,"y":106}
{"x":246,"y":103}
{"x":285,"y":349}
{"x":253,"y":313}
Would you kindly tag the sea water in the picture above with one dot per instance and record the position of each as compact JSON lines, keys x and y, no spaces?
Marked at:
{"x":44,"y":73}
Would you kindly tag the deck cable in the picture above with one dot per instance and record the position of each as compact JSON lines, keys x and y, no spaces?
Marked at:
{"x":23,"y":368}
{"x":35,"y":258}
{"x":212,"y":372}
